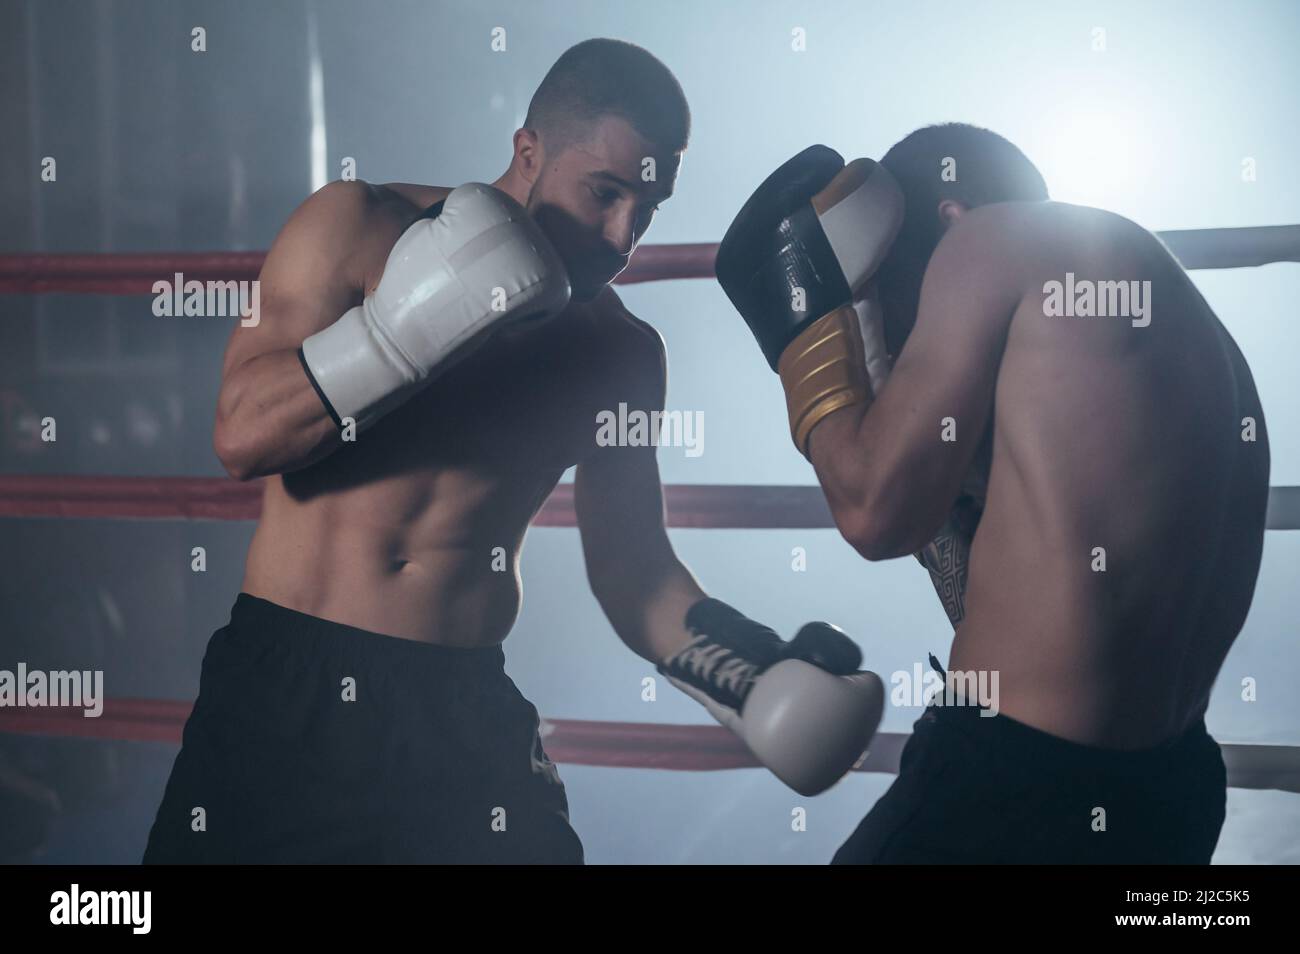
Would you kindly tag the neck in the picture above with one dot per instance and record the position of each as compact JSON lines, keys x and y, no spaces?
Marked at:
{"x":514,"y":185}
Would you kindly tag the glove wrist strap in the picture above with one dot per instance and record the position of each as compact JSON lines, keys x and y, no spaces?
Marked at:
{"x":823,"y":369}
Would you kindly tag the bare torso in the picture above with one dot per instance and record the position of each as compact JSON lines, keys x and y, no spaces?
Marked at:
{"x":415,"y":529}
{"x":1122,"y":442}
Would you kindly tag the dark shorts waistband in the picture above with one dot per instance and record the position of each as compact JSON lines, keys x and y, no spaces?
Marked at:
{"x":1049,"y":752}
{"x":982,"y":789}
{"x":259,"y":624}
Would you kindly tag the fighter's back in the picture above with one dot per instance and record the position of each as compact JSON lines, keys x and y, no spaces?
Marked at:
{"x":1122,"y":534}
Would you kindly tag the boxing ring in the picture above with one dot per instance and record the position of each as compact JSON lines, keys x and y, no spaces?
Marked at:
{"x":691,"y":748}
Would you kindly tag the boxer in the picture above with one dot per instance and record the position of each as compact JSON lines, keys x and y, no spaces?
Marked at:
{"x":1034,"y":399}
{"x":429,"y":363}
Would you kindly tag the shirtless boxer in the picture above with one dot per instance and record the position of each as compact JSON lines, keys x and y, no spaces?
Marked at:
{"x":428,"y":364}
{"x":1123,"y":521}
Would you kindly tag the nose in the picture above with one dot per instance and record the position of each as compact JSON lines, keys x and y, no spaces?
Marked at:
{"x":620,"y":233}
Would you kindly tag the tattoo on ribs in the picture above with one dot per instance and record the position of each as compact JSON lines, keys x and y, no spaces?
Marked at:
{"x":947,"y":557}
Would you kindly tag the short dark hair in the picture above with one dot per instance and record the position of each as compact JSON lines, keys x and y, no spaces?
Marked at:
{"x":603,"y":77}
{"x":986,"y":168}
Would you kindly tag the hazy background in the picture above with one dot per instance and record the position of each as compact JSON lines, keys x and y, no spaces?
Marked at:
{"x":161,"y":148}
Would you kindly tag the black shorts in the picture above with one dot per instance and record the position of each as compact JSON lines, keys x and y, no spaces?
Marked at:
{"x":978,"y":789}
{"x":312,"y":742}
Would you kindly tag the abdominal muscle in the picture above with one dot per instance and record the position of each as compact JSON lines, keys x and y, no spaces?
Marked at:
{"x":403,"y":557}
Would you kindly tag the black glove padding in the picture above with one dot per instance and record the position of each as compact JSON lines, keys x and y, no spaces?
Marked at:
{"x":775,"y":245}
{"x":730,"y":651}
{"x":827,"y":647}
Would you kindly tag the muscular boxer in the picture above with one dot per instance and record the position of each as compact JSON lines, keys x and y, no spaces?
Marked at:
{"x":1033,"y":398}
{"x":429,"y":363}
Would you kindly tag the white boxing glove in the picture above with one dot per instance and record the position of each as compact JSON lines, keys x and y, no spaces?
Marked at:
{"x":797,"y":263}
{"x":861,"y":214}
{"x":801,"y":707}
{"x":480,"y":264}
{"x":871,"y":324}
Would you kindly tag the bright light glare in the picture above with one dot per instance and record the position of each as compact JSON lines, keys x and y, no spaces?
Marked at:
{"x":1095,"y":155}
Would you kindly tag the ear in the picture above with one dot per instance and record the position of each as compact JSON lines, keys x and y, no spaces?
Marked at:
{"x":950,"y":211}
{"x":529,"y":155}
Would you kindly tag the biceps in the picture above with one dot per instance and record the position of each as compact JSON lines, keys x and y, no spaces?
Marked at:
{"x":958,"y":339}
{"x":942,"y":396}
{"x":926,"y":427}
{"x":947,"y":372}
{"x":307,"y":281}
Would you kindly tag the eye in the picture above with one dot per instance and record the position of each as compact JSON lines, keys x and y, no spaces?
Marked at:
{"x":604,"y":195}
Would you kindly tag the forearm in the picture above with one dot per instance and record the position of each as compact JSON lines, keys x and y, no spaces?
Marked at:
{"x":842,"y":465}
{"x":845,"y":479}
{"x":270,"y":419}
{"x":647,"y":607}
{"x":889,"y":497}
{"x":873,"y":513}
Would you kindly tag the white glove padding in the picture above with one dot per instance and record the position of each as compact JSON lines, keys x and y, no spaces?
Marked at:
{"x":809,"y":726}
{"x":801,"y":707}
{"x":860,"y":212}
{"x":480,"y":264}
{"x":871,"y":323}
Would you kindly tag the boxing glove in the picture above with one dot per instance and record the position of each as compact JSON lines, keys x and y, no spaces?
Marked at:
{"x":449,"y":281}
